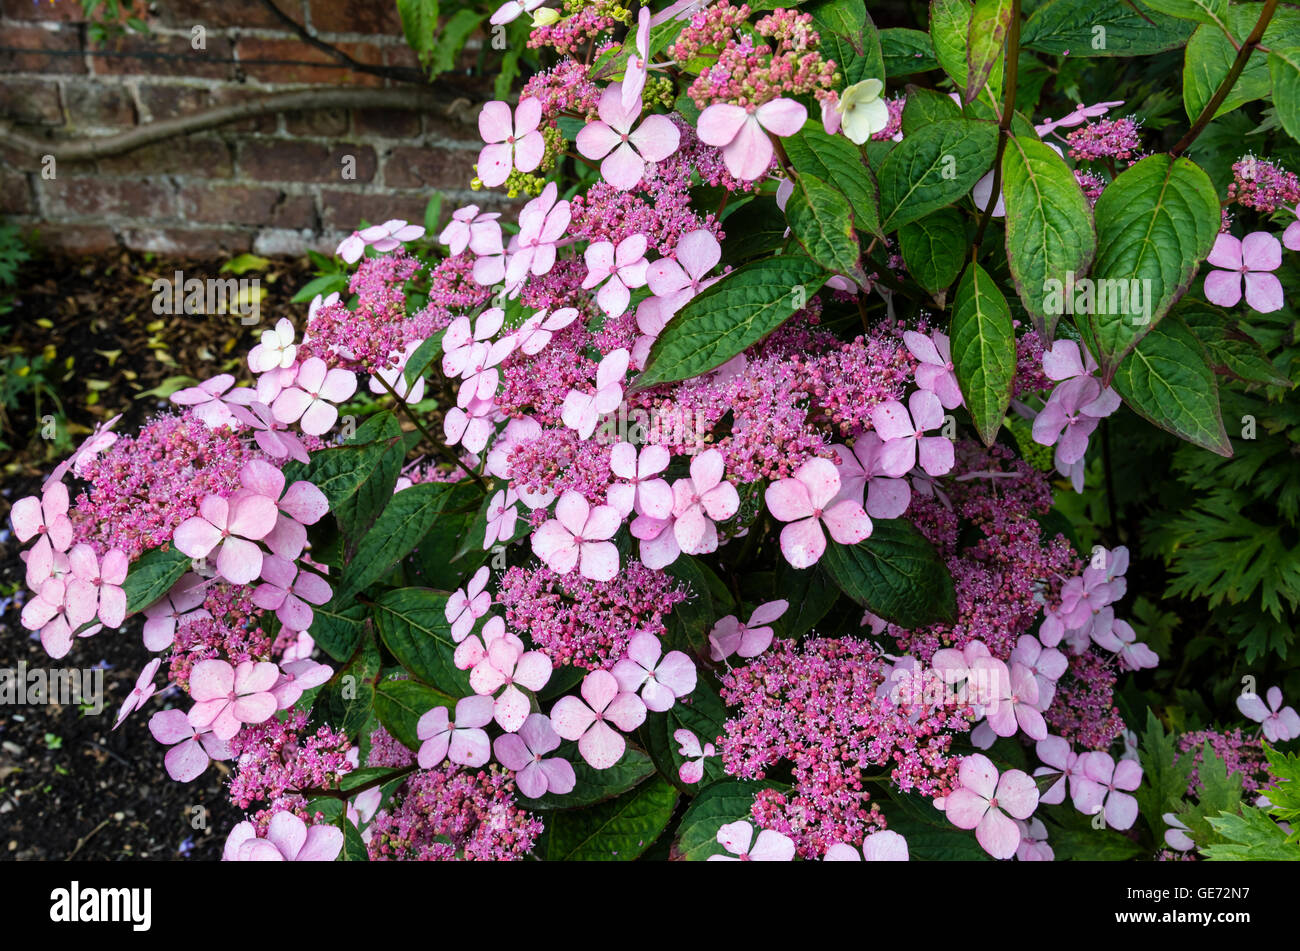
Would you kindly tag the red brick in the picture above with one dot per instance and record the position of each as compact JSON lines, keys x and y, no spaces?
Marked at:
{"x":386,"y":123}
{"x":49,"y":50}
{"x":248,"y":14}
{"x":166,"y":102}
{"x":31,"y":101}
{"x":411,"y":167}
{"x":345,"y":209}
{"x":246,"y":205}
{"x":401,"y":55}
{"x":453,"y":131}
{"x":98,"y":104}
{"x":293,"y":61}
{"x":356,"y":16}
{"x":156,"y":55}
{"x":187,"y":242}
{"x":90,"y":197}
{"x":74,"y":239}
{"x":65,"y":11}
{"x":318,"y":123}
{"x":282,"y":160}
{"x":209,"y":157}
{"x":15,"y":193}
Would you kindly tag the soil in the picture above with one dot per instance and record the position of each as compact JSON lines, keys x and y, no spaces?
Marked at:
{"x":71,"y":786}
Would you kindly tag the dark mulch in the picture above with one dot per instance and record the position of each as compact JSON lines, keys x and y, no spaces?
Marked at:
{"x":69,"y":785}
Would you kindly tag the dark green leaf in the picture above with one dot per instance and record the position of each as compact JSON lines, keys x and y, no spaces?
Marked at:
{"x":983,"y":350}
{"x":836,"y":160}
{"x":152,"y":575}
{"x":1050,"y":231}
{"x":1155,"y":223}
{"x":412,"y":623}
{"x":934,"y":249}
{"x":399,"y":704}
{"x":1086,"y":28}
{"x":895,"y":573}
{"x":1168,"y":382}
{"x":615,"y":831}
{"x":731,"y":316}
{"x":822,"y":223}
{"x":934,"y":167}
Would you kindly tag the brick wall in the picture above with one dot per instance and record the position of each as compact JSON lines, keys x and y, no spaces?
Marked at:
{"x":271,"y":184}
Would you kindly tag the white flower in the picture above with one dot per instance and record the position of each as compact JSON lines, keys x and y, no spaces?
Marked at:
{"x":862,"y":112}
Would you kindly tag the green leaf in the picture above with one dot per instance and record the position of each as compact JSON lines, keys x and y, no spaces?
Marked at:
{"x":419,"y":24}
{"x":755,"y":228}
{"x":690,"y":622}
{"x":399,"y":704}
{"x":930,"y":836}
{"x":934,"y":167}
{"x":1251,"y":837}
{"x":340,"y":470}
{"x":412,"y":623}
{"x":1284,"y":68}
{"x":988,"y":31}
{"x":1230,"y":349}
{"x":1206,"y":63}
{"x":1155,"y":223}
{"x":895,"y":573}
{"x":405,"y":520}
{"x":594,"y":785}
{"x":1168,"y":382}
{"x":337,"y":632}
{"x":360,"y":777}
{"x":1210,"y":56}
{"x":729,"y":317}
{"x":849,"y":38}
{"x":1202,"y":11}
{"x":152,"y":575}
{"x":354,"y":847}
{"x":1086,"y":28}
{"x":324,"y":285}
{"x":934,"y":249}
{"x":451,"y":40}
{"x":811,"y":594}
{"x":822,"y":223}
{"x":345,"y":702}
{"x":983,"y":350}
{"x":950,"y":32}
{"x":615,"y":831}
{"x":1050,"y":230}
{"x":906,"y":51}
{"x":925,"y":106}
{"x":423,"y":358}
{"x":835,"y":159}
{"x":1164,"y":774}
{"x":717,"y":805}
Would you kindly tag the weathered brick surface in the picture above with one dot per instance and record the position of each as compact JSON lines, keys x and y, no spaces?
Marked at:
{"x":87,"y":197}
{"x":176,"y":156}
{"x":271,"y":183}
{"x":42,"y":51}
{"x":345,"y":209}
{"x":158,"y":55}
{"x":97,"y":106}
{"x":30,"y":101}
{"x":246,"y":205}
{"x":416,"y":167}
{"x":287,"y":160}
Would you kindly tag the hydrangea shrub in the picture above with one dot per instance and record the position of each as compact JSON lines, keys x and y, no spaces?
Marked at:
{"x":703,"y":500}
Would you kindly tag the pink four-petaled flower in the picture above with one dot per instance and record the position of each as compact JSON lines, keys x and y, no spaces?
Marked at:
{"x":808,"y":501}
{"x":587,"y":718}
